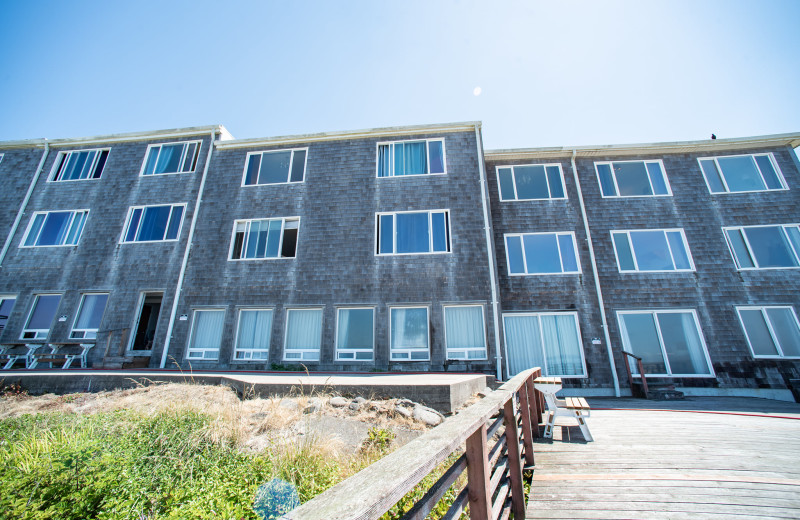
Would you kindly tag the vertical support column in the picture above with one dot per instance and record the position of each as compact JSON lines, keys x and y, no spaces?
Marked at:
{"x":525,"y":412}
{"x":478,"y":475}
{"x":514,"y":460}
{"x":533,"y":402}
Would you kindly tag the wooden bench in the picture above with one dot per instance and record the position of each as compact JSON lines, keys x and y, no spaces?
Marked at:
{"x":63,"y":353}
{"x":18,"y":351}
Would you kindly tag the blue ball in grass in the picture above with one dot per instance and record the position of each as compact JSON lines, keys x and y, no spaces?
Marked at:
{"x":275,"y":498}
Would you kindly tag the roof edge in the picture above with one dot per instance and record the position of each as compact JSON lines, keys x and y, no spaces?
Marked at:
{"x":350,"y":134}
{"x":705,"y":145}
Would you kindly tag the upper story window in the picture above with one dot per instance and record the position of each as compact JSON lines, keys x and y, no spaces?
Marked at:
{"x":742,"y":173}
{"x":632,"y":179}
{"x":772,"y":332}
{"x":531,"y":182}
{"x":275,"y":167}
{"x":542,"y":253}
{"x":79,"y":165}
{"x":652,"y":250}
{"x":55,"y":228}
{"x":401,"y":158}
{"x":413,"y":232}
{"x":90,"y":313}
{"x":765,"y":247}
{"x":264,"y":238}
{"x":171,"y":158}
{"x":153,"y":223}
{"x":43,"y":312}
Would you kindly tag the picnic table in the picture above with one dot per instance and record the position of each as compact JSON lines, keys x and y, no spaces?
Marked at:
{"x":13,"y":351}
{"x":575,"y":407}
{"x":64,"y":351}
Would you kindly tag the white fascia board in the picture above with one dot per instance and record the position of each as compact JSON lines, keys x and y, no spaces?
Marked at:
{"x":394,"y":131}
{"x":144,"y":136}
{"x":25,"y":143}
{"x":706,"y":145}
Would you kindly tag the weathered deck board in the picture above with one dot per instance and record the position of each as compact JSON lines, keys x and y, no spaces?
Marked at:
{"x":658,"y":463}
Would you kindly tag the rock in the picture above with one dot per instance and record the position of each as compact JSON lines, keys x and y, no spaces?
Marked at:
{"x":338,"y":402}
{"x":405,"y":402}
{"x":405,"y":412}
{"x":289,"y":404}
{"x":311,"y":408}
{"x":483,"y":393}
{"x":427,"y":415}
{"x":359,"y":400}
{"x":355,"y":405}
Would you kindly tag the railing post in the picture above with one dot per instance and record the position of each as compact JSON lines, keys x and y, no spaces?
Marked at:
{"x":644,"y":378}
{"x":533,"y":403}
{"x":478,"y":475}
{"x":514,"y":460}
{"x":525,"y":412}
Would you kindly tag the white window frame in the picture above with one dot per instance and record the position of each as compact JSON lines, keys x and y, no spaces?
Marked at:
{"x":303,"y":351}
{"x":458,"y":350}
{"x":40,"y":333}
{"x":250,"y":351}
{"x":393,"y":351}
{"x":191,"y":352}
{"x":74,"y":212}
{"x":63,"y":157}
{"x":627,"y":347}
{"x":628,"y":232}
{"x":289,"y":175}
{"x":4,"y":297}
{"x":131,"y":209}
{"x":522,"y":236}
{"x":391,"y":144}
{"x":430,"y":212}
{"x":545,"y":369}
{"x":514,"y":178}
{"x":248,"y":222}
{"x":750,"y":248}
{"x":769,"y":156}
{"x":87,"y":333}
{"x":771,"y":330}
{"x":354,"y":351}
{"x":185,"y":144}
{"x":616,"y":184}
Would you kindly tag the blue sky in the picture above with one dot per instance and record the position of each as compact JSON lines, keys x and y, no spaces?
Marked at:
{"x":550,"y":73}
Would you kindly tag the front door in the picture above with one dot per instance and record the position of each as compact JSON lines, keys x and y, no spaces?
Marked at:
{"x":147,"y":322}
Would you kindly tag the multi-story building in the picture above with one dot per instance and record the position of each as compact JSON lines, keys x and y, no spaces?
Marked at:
{"x":410,"y":249}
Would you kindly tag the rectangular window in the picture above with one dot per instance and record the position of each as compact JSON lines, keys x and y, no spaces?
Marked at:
{"x":264,"y":238}
{"x":206,"y":336}
{"x":464,"y":332}
{"x":632,"y":179}
{"x":542,"y":253}
{"x":764,"y":247}
{"x":79,"y":165}
{"x":401,"y":158}
{"x":409,"y":334}
{"x":253,"y":335}
{"x":355,"y":334}
{"x":6,"y":306}
{"x":41,"y":316}
{"x":531,"y":182}
{"x":275,"y":167}
{"x":772,"y":332}
{"x":153,"y":223}
{"x":55,"y":228}
{"x":166,"y":158}
{"x":90,"y":313}
{"x":669,"y":342}
{"x":303,"y":334}
{"x":413,"y":232}
{"x":742,"y":173}
{"x":652,"y":250}
{"x":550,"y":340}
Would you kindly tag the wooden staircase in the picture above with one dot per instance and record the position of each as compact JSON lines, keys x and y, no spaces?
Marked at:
{"x":642,"y":389}
{"x":115,"y":355}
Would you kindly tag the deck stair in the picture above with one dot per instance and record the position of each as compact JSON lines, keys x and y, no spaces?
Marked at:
{"x":115,"y":355}
{"x":643,"y":388}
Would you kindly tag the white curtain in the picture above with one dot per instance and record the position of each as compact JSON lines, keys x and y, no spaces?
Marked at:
{"x":523,"y":343}
{"x":695,"y":345}
{"x":561,"y":345}
{"x":409,"y":328}
{"x":92,"y":311}
{"x":208,"y":329}
{"x":255,"y":328}
{"x":464,"y":327}
{"x":303,"y":329}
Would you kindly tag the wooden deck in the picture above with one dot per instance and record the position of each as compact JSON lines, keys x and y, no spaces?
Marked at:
{"x":741,"y":460}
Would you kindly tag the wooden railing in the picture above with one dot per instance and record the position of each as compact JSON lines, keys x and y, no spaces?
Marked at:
{"x":123,"y":336}
{"x":641,"y":372}
{"x":494,"y":487}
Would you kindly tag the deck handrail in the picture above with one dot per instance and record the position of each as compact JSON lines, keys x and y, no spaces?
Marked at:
{"x":374,"y":490}
{"x":642,"y":375}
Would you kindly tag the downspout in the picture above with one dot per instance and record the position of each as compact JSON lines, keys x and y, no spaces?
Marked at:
{"x":185,"y":262}
{"x":24,"y":204}
{"x":490,"y":252}
{"x":596,"y":276}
